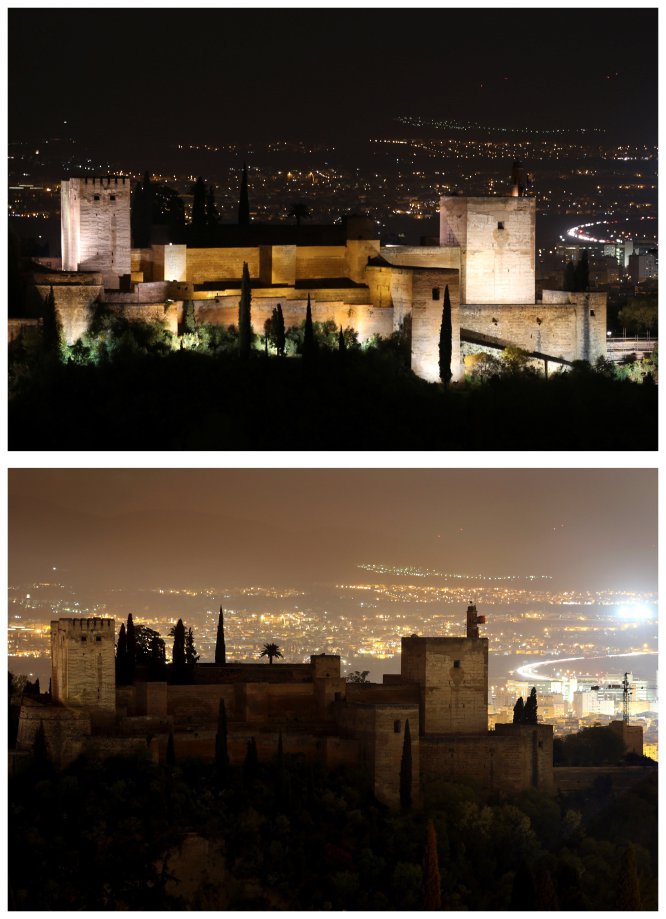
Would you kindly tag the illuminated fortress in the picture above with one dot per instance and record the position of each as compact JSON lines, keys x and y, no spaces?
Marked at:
{"x":442,"y":692}
{"x":485,"y":256}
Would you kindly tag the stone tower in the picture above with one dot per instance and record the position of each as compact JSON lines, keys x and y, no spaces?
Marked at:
{"x":496,"y":239}
{"x":83,"y":662}
{"x":452,"y":674}
{"x":95,"y":226}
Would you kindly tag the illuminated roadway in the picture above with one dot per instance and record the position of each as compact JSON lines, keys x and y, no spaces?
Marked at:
{"x":528,"y":671}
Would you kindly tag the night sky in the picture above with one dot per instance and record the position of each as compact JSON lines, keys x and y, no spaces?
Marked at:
{"x":129,"y":80}
{"x":149,"y":528}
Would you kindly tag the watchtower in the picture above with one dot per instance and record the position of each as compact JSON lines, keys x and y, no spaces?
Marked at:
{"x":83,"y":662}
{"x":452,"y":674}
{"x":95,"y":226}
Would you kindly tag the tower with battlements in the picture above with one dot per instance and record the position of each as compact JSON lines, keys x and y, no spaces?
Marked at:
{"x":83,"y":662}
{"x":95,"y":227}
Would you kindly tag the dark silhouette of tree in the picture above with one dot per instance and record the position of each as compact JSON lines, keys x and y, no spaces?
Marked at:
{"x":582,"y":272}
{"x":131,"y":649}
{"x":40,"y":751}
{"x":300,"y":211}
{"x":244,"y":201}
{"x":251,"y":761}
{"x":212,"y":217}
{"x":546,"y":894}
{"x":270,"y":651}
{"x":432,"y":882}
{"x":628,"y":893}
{"x":268,"y":331}
{"x":530,"y":708}
{"x":178,"y":652}
{"x":157,"y":659}
{"x":309,"y":341}
{"x":145,"y":641}
{"x":523,"y":893}
{"x":570,"y":277}
{"x":221,"y":739}
{"x":171,"y":751}
{"x":245,"y":315}
{"x":279,"y":331}
{"x":191,"y":656}
{"x":406,"y":769}
{"x":168,"y":210}
{"x":358,"y":676}
{"x":590,"y":747}
{"x":53,"y":340}
{"x":519,"y":711}
{"x":446,"y":340}
{"x":342,"y":345}
{"x":199,"y":207}
{"x":121,"y":657}
{"x":220,"y":644}
{"x":141,"y":216}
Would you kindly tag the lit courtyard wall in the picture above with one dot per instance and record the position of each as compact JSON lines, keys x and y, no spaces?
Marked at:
{"x":427,"y":321}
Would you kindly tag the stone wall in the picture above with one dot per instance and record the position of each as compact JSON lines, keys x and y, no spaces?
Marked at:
{"x":452,"y":674}
{"x":83,"y":661}
{"x":321,"y":262}
{"x":573,"y":330}
{"x":568,"y":779}
{"x":379,"y":730}
{"x":508,"y":761}
{"x":74,"y":306}
{"x":391,"y":288}
{"x":66,"y":730}
{"x":422,"y":256}
{"x":205,"y":265}
{"x":428,"y":287}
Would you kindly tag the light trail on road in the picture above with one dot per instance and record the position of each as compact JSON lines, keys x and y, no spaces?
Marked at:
{"x":528,"y":671}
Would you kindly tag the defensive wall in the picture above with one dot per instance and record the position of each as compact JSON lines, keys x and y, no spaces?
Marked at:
{"x":83,"y":659}
{"x":510,"y":759}
{"x":567,"y":325}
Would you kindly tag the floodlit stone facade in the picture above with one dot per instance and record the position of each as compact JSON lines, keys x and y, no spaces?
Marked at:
{"x":83,"y":660}
{"x":485,"y":256}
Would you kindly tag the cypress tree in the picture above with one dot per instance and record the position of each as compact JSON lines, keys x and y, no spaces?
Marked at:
{"x":221,"y":739}
{"x":189,"y":323}
{"x":121,"y":657}
{"x":519,"y":711}
{"x":445,"y":341}
{"x":530,"y":710}
{"x":309,"y":343}
{"x":582,"y":272}
{"x":570,"y":277}
{"x":53,"y":340}
{"x":342,"y":345}
{"x":251,"y":760}
{"x":191,"y":656}
{"x":220,"y":644}
{"x":245,"y":315}
{"x":199,"y":207}
{"x":244,"y":201}
{"x":211,"y":208}
{"x":523,"y":893}
{"x":406,"y":769}
{"x":178,"y":652}
{"x":280,"y":336}
{"x":131,"y":649}
{"x":432,"y":882}
{"x":628,"y":893}
{"x":170,"y":751}
{"x":40,"y":750}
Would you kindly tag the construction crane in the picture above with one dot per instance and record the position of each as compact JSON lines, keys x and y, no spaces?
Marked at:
{"x":625,"y":698}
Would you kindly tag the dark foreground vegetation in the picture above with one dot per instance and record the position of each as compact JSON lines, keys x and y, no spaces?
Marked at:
{"x":137,"y":387}
{"x":128,"y":834}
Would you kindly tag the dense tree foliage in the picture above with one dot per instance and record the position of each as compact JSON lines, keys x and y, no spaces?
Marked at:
{"x":589,"y":747}
{"x":114,"y":836}
{"x":110,"y":393}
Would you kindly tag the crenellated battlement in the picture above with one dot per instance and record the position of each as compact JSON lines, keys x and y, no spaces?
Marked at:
{"x":93,"y":624}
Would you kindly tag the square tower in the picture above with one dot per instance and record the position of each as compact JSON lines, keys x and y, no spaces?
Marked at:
{"x":83,"y":662}
{"x":496,"y":237}
{"x":95,"y":226}
{"x":452,"y":674}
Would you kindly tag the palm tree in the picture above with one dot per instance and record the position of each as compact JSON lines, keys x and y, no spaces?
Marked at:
{"x":299,"y":211}
{"x":270,"y":651}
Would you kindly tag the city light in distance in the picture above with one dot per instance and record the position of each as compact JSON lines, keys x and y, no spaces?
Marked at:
{"x":635,"y":612}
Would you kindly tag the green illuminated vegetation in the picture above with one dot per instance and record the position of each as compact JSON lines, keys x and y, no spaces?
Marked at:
{"x":134,"y":385}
